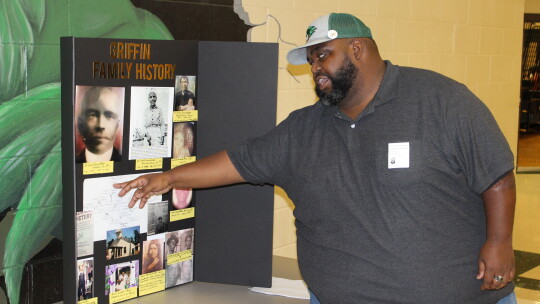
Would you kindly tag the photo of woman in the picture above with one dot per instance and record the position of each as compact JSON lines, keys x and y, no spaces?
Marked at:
{"x":153,"y":256}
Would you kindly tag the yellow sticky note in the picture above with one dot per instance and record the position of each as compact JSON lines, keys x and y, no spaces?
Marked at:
{"x":89,"y":301}
{"x":175,"y":162}
{"x":179,"y":257}
{"x":98,"y":167}
{"x":148,"y":164}
{"x":151,"y":282}
{"x":123,"y":295}
{"x":177,"y":215}
{"x":180,"y":116}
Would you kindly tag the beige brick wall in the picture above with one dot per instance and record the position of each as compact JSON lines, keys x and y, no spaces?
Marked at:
{"x":477,"y":42}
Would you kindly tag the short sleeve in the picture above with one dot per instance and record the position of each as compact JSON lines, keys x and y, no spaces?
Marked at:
{"x":262,"y":160}
{"x":480,"y":148}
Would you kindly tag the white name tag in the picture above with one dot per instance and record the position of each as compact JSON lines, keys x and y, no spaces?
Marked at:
{"x":398,"y":155}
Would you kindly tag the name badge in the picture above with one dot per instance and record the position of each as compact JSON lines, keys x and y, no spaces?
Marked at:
{"x":398,"y":155}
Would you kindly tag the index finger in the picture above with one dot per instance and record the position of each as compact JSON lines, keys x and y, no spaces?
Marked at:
{"x":127,"y":186}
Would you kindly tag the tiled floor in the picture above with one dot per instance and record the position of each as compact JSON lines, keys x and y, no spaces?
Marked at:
{"x":527,"y":278}
{"x":528,"y":147}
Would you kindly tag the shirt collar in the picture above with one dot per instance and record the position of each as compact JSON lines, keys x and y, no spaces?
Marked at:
{"x":388,"y":87}
{"x":385,"y":93}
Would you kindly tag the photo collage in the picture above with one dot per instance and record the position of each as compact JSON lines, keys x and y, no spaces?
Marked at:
{"x":122,"y":133}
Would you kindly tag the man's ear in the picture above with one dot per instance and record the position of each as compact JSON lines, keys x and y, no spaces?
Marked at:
{"x":358,"y":47}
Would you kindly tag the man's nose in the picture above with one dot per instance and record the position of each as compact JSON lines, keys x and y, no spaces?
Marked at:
{"x":315,"y":68}
{"x":99,"y":120}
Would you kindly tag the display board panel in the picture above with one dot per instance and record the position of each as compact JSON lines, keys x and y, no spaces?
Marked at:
{"x":248,"y":76}
{"x":133,"y":107}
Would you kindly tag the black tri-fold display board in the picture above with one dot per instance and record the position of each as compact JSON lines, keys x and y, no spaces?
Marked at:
{"x":135,"y":107}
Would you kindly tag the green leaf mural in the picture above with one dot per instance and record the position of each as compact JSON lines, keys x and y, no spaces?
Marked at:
{"x":30,"y":158}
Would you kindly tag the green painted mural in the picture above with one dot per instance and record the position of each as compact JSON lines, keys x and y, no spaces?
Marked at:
{"x":30,"y":156}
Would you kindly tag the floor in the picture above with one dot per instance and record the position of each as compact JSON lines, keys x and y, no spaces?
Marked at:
{"x":527,"y":278}
{"x":528,"y":151}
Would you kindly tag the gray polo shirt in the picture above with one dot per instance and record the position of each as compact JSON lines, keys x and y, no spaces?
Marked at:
{"x":388,"y":205}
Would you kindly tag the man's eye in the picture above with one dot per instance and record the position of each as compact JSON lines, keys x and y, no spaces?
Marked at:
{"x":110,"y":115}
{"x":321,"y":56}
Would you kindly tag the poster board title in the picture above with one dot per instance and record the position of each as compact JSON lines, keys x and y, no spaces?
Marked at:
{"x":129,"y":69}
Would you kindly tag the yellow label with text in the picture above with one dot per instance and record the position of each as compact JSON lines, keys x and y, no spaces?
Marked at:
{"x":148,"y":164}
{"x":175,"y":162}
{"x":180,"y":116}
{"x":89,"y":301}
{"x":181,"y":214}
{"x":123,"y":295}
{"x":151,"y":282}
{"x":98,"y":167}
{"x":179,"y":257}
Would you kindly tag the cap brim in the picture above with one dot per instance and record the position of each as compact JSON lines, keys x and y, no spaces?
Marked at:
{"x":298,"y":55}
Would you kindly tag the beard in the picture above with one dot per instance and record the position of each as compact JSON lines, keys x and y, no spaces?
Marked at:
{"x":342,"y":82}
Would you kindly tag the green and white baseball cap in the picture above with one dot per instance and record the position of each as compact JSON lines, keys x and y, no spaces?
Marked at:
{"x":326,"y":28}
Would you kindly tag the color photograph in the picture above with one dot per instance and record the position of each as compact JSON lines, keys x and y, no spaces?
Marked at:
{"x":123,"y":242}
{"x":181,"y":198}
{"x":85,"y":279}
{"x":121,"y":276}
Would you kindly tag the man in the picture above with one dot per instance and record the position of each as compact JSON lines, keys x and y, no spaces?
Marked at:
{"x":98,"y":124}
{"x":160,"y":226}
{"x":402,"y":181}
{"x":81,"y":286}
{"x":184,"y":99}
{"x":154,"y":122}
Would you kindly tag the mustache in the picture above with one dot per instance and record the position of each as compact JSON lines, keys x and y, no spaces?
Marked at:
{"x":323,"y":74}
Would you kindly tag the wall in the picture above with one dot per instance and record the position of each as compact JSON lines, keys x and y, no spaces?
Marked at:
{"x":477,"y":42}
{"x":532,"y":7}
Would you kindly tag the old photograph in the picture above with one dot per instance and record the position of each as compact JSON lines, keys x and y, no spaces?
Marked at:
{"x":181,"y":272}
{"x":184,"y":97}
{"x":184,"y":140}
{"x":99,"y":116}
{"x":152,"y":259}
{"x":158,"y":217}
{"x":150,"y":122}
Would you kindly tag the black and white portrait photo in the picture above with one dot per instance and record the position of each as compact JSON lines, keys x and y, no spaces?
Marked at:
{"x":184,"y":96}
{"x":151,"y":122}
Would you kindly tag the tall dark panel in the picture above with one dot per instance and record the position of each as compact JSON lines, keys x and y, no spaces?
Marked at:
{"x":239,"y":92}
